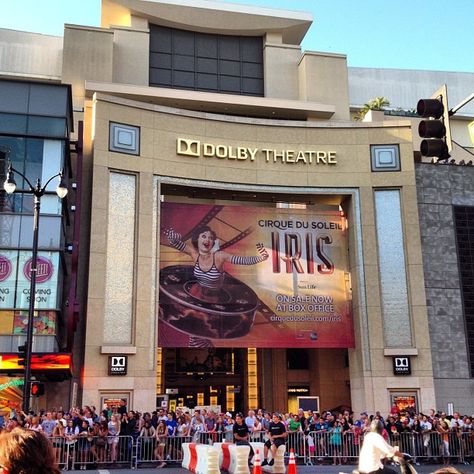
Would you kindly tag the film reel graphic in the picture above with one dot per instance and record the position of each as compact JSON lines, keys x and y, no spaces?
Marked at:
{"x":200,"y":320}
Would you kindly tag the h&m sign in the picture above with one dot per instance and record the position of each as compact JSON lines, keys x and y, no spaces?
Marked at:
{"x":401,"y":365}
{"x":118,"y":365}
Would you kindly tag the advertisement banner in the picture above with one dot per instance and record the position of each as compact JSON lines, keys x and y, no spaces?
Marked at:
{"x":234,"y":276}
{"x":46,"y":280}
{"x":50,"y":361}
{"x":8,"y":264}
{"x":44,"y":323}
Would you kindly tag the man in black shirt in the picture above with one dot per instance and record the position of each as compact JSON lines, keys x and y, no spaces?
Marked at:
{"x":241,"y":433}
{"x":122,"y":408}
{"x":277,"y":437}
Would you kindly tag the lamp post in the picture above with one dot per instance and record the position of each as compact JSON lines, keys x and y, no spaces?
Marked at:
{"x":10,"y":187}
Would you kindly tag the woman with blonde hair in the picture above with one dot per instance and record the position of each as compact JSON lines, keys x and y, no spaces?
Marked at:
{"x":113,"y":427}
{"x":26,"y":452}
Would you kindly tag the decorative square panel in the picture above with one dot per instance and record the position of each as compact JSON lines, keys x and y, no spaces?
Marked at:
{"x":385,"y":157}
{"x":124,"y":138}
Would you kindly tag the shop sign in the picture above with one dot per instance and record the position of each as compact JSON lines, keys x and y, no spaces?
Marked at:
{"x":118,"y":365}
{"x":46,"y":362}
{"x":198,"y":149}
{"x":401,"y":365}
{"x":405,"y":401}
{"x":8,"y":262}
{"x":280,"y":273}
{"x":299,"y":390}
{"x":47,"y":280}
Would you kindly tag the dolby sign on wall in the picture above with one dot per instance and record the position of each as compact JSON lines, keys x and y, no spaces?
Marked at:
{"x":254,"y":277}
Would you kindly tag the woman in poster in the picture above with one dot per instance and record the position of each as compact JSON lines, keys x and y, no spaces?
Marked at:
{"x":209,"y":261}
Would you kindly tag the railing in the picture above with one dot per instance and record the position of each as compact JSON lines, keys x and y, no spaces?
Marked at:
{"x":338,"y":448}
{"x":423,"y":447}
{"x":169,"y":451}
{"x":81,"y":452}
{"x":433,"y":446}
{"x":316,"y":447}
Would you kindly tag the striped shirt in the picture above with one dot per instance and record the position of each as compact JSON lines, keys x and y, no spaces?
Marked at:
{"x":212,"y":278}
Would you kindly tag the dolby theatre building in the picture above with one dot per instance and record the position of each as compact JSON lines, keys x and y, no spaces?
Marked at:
{"x":209,"y":120}
{"x":250,"y":244}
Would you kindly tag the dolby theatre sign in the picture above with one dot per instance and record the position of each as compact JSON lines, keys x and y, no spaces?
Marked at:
{"x":199,"y":149}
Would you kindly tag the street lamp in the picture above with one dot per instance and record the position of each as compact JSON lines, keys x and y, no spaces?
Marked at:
{"x":10,"y":187}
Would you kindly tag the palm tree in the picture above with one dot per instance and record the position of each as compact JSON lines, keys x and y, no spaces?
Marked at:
{"x":375,"y":104}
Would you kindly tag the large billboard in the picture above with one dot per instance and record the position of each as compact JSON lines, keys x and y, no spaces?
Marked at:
{"x":234,"y":276}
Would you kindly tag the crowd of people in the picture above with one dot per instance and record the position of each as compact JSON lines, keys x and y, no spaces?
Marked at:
{"x":108,"y":435}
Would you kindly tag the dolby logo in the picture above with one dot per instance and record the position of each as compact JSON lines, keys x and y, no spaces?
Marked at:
{"x":401,"y":365}
{"x":118,"y":365}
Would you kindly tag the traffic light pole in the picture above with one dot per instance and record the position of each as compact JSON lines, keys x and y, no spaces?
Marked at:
{"x":31,"y":308}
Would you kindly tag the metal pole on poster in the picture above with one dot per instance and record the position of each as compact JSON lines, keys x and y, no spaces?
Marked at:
{"x":38,"y":191}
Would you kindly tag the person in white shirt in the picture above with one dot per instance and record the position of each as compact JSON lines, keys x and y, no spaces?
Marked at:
{"x":374,"y":449}
{"x":456,"y":421}
{"x":251,"y":420}
{"x":426,"y":428}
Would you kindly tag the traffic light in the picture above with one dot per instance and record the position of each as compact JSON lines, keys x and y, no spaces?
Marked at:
{"x":37,"y":389}
{"x":21,"y":354}
{"x":435,"y":130}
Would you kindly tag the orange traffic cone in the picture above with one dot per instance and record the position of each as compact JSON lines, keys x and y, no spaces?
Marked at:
{"x":257,"y":466}
{"x":292,"y":463}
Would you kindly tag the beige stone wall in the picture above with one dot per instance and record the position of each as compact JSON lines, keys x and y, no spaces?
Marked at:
{"x":30,"y":55}
{"x":87,"y":55}
{"x":371,"y":376}
{"x":281,"y":70}
{"x":323,"y":78}
{"x":131,"y":56}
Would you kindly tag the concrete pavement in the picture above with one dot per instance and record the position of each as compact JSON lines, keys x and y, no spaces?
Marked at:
{"x":301,"y":469}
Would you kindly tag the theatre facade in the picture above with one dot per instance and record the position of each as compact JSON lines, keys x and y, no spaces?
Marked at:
{"x":243,"y":241}
{"x":249,"y":243}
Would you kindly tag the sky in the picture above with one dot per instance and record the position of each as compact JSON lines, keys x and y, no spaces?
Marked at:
{"x":405,"y":34}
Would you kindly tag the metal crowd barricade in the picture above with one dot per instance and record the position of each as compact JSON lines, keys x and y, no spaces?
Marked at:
{"x":60,"y":451}
{"x":297,"y":442}
{"x":434,"y":446}
{"x":258,"y":437}
{"x":85,"y":451}
{"x":312,"y":448}
{"x":321,"y":447}
{"x":146,"y":452}
{"x":467,"y":447}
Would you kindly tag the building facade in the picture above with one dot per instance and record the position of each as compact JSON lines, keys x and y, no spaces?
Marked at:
{"x":35,"y":127}
{"x":320,"y":281}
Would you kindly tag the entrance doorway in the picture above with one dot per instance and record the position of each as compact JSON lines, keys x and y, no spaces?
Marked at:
{"x":204,"y":377}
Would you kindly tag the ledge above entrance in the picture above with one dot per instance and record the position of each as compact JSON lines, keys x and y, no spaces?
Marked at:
{"x":118,"y":350}
{"x":409,"y":351}
{"x":217,"y":103}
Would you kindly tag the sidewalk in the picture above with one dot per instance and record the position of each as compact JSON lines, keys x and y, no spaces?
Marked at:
{"x":301,"y":469}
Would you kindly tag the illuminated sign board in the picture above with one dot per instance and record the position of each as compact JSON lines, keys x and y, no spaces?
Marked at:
{"x":254,"y":277}
{"x":9,"y":362}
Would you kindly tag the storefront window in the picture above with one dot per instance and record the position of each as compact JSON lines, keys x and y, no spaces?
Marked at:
{"x":35,"y":158}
